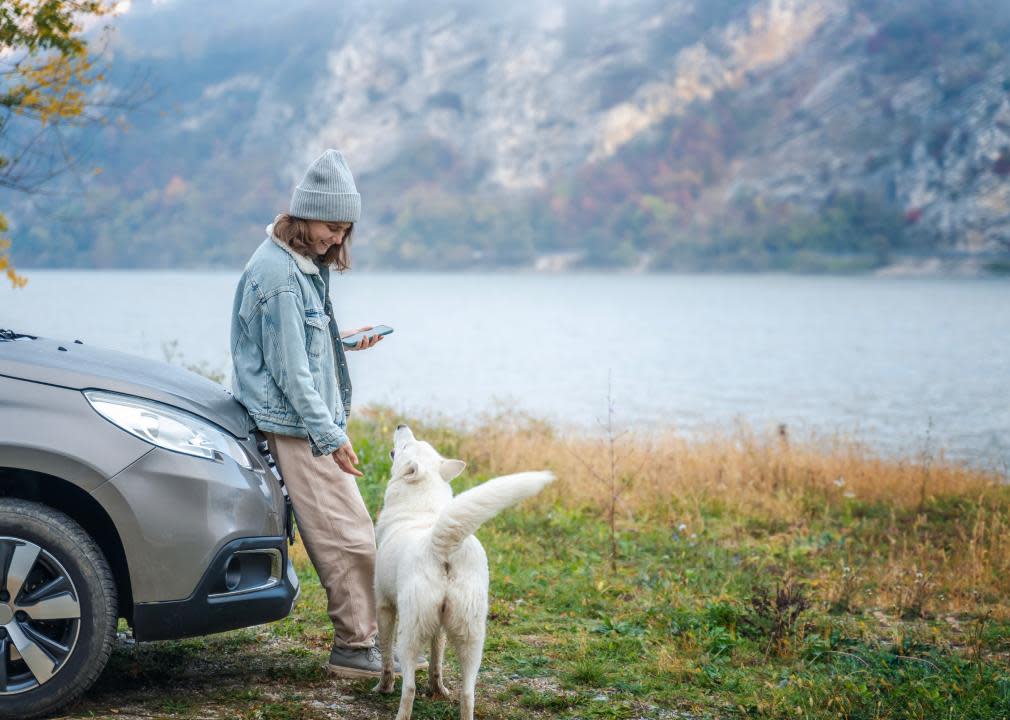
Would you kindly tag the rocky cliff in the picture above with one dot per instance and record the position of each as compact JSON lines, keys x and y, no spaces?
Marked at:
{"x":691,"y":134}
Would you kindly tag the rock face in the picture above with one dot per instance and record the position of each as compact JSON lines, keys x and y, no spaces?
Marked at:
{"x":495,"y":94}
{"x":927,"y":129}
{"x":658,"y":124}
{"x":545,"y":89}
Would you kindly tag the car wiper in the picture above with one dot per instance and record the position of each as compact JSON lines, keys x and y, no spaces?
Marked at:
{"x":6,"y":335}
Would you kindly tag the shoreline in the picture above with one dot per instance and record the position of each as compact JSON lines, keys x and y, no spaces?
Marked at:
{"x":562,"y":264}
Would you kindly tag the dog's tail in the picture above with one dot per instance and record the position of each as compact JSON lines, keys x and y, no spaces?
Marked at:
{"x":469,"y":510}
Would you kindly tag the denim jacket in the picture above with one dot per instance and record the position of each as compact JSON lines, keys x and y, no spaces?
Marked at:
{"x":288,"y":364}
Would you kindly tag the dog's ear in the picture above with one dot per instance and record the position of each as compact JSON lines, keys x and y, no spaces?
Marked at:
{"x":450,"y":469}
{"x":410,"y":471}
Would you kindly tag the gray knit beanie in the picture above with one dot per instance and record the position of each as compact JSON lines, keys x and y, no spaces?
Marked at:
{"x":327,"y":191}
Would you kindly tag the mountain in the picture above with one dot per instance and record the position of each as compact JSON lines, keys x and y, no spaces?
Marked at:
{"x":814,"y":135}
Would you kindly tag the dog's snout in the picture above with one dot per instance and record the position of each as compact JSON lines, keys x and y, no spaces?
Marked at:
{"x":399,"y":427}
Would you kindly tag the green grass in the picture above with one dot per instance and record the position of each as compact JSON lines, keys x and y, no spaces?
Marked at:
{"x":680,"y":625}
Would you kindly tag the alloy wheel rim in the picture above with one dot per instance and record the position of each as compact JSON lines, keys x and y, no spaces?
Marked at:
{"x":42,"y":613}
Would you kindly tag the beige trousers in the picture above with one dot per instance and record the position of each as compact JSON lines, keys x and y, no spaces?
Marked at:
{"x":338,"y":535}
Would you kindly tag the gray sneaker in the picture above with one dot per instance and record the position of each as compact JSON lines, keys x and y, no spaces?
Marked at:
{"x":363,"y":662}
{"x":357,"y":662}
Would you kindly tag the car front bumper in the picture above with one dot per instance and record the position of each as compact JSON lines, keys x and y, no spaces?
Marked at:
{"x":250,"y":581}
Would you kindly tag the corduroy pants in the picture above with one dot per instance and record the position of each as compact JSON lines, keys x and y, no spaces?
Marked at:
{"x":338,"y":535}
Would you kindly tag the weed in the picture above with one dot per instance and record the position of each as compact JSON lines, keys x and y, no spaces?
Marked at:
{"x":977,"y":639}
{"x":774,"y":617}
{"x":176,"y":705}
{"x":913,"y":591}
{"x":587,"y":673}
{"x":845,"y":590}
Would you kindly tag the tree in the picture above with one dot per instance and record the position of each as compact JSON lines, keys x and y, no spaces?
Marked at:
{"x":46,"y":71}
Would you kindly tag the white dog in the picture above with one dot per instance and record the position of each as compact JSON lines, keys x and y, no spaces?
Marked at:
{"x":430,"y":569}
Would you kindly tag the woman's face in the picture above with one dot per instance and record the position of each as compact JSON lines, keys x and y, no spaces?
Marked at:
{"x":324,"y":235}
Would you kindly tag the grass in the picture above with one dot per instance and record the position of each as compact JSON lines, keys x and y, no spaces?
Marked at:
{"x":750,"y":577}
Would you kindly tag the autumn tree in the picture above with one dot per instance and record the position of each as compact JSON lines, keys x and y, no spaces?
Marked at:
{"x":47,"y":74}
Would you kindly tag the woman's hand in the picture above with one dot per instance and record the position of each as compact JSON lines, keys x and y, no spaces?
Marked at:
{"x":345,"y":459}
{"x":365,"y":342}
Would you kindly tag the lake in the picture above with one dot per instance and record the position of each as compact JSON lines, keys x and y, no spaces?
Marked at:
{"x":906,"y":365}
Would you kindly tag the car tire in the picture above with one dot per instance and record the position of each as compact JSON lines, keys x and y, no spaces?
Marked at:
{"x":51,"y":564}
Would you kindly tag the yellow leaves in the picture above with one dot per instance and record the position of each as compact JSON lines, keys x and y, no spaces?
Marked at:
{"x":16,"y":280}
{"x":45,"y":74}
{"x":52,"y":88}
{"x":5,"y":263}
{"x":51,"y":82}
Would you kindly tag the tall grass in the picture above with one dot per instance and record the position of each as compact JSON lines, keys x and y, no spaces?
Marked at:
{"x":664,"y":473}
{"x":922,"y":535}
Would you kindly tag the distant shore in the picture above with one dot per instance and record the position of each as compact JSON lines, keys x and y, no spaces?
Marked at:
{"x":573,"y":262}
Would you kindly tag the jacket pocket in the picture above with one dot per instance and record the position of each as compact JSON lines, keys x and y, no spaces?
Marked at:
{"x":316,"y":332}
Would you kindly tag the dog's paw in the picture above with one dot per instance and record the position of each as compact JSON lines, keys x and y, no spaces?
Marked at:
{"x":439,"y":692}
{"x":384,"y":686}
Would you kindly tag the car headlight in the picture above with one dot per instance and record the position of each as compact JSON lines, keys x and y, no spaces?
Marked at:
{"x":167,"y":427}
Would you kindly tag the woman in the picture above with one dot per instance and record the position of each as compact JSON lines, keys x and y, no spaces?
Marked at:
{"x":291,"y":374}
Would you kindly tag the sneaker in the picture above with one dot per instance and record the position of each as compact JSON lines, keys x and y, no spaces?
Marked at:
{"x":357,"y":662}
{"x":363,"y":662}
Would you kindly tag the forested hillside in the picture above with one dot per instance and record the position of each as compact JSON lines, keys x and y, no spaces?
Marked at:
{"x":694,"y":135}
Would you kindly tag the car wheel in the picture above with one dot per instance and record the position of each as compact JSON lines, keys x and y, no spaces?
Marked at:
{"x":57,"y":609}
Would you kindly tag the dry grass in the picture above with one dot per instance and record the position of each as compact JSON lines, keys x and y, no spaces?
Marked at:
{"x":926,"y":535}
{"x":666,"y":472}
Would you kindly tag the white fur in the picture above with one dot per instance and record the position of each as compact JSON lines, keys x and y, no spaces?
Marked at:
{"x":431,"y":571}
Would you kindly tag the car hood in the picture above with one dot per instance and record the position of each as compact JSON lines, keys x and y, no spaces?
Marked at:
{"x":79,"y":367}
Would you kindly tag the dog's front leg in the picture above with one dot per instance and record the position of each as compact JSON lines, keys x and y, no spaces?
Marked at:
{"x":435,"y":686}
{"x":387,"y":624}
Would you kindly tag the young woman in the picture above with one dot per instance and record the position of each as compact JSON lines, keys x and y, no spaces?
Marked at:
{"x":290,"y":372}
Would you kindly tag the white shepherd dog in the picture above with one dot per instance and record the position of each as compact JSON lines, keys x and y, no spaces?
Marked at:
{"x":430,"y":570}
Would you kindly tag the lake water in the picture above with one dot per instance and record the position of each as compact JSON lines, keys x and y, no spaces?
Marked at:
{"x":903,"y":364}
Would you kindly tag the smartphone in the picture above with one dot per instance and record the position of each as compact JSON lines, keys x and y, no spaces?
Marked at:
{"x":352,"y":340}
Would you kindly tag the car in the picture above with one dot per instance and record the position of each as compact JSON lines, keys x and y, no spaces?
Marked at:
{"x":129,"y":488}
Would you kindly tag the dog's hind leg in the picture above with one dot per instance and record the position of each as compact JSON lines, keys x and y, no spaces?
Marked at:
{"x":387,"y":624}
{"x":408,"y":646}
{"x":409,"y":688}
{"x":469,"y":650}
{"x":435,"y":686}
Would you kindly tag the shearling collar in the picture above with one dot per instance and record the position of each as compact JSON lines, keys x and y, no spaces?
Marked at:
{"x":304,"y":264}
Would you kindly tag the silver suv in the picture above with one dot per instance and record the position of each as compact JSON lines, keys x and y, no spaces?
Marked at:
{"x":132,"y":489}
